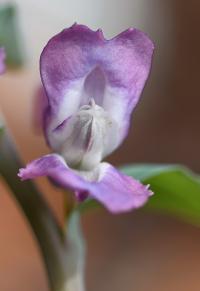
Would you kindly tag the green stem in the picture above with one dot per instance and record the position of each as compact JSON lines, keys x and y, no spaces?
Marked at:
{"x":39,"y":215}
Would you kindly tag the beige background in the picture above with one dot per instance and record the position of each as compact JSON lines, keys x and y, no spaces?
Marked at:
{"x":136,"y":251}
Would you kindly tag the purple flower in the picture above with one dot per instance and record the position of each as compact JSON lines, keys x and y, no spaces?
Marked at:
{"x":92,"y":86}
{"x":2,"y":60}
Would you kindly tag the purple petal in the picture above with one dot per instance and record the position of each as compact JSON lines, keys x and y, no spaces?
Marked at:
{"x":117,"y":192}
{"x":2,"y":60}
{"x":79,"y":64}
{"x":40,"y":108}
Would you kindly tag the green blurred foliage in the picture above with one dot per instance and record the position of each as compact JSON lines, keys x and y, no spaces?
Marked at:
{"x":10,"y":37}
{"x":176,"y":189}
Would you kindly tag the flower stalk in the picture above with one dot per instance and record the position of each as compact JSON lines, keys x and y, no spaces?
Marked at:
{"x":42,"y":221}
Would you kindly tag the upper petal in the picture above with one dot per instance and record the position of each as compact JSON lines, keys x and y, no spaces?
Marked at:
{"x":2,"y":60}
{"x":79,"y":64}
{"x":117,"y":192}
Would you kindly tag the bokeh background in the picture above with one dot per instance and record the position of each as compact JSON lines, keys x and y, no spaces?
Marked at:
{"x":137,"y":251}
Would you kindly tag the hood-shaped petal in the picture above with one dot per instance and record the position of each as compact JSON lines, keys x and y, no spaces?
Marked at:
{"x":2,"y":60}
{"x":79,"y":64}
{"x":117,"y":192}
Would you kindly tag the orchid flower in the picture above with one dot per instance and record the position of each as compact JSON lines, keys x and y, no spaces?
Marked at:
{"x":92,"y":86}
{"x":2,"y":60}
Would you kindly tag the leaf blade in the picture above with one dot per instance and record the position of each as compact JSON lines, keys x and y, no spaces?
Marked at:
{"x":176,"y":188}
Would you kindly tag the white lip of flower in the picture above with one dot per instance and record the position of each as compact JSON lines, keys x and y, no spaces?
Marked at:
{"x":88,"y":134}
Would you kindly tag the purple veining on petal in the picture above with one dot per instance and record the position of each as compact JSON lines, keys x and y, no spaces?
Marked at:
{"x":61,"y":125}
{"x":88,"y":140}
{"x":116,"y":191}
{"x":79,"y":64}
{"x":2,"y":60}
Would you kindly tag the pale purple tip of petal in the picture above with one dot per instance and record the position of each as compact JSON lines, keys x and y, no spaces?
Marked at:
{"x":23,"y":174}
{"x":150,"y":192}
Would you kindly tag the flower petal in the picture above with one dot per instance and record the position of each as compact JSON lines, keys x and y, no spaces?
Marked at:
{"x":79,"y":64}
{"x":40,"y":108}
{"x":117,"y":192}
{"x":2,"y":60}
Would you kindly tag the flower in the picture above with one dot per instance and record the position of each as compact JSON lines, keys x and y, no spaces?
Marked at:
{"x":2,"y":60}
{"x":92,"y":86}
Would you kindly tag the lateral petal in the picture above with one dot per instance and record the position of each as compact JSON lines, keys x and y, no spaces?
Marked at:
{"x":116,"y":191}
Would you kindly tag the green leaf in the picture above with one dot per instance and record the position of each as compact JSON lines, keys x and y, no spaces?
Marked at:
{"x":10,"y":37}
{"x":176,"y":189}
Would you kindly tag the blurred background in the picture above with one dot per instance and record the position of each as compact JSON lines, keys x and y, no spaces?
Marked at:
{"x":138,"y":251}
